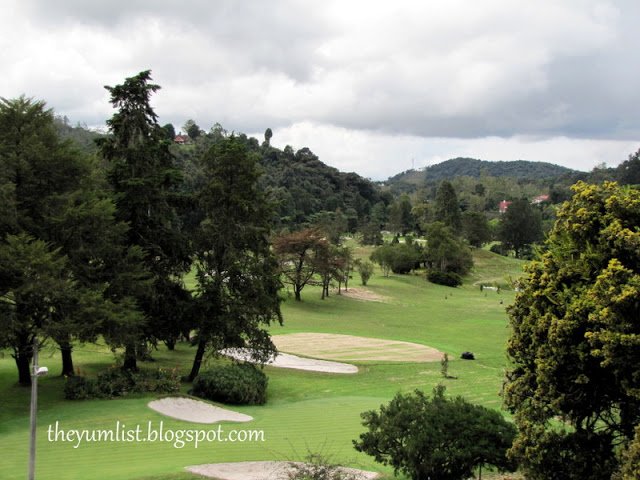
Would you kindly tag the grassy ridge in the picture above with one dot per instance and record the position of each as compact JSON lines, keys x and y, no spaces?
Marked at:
{"x":305,"y":410}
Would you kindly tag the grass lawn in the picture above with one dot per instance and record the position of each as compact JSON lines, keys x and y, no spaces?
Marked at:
{"x":306,"y":410}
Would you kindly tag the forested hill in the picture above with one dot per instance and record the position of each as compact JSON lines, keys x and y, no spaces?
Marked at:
{"x":300,"y":183}
{"x":470,"y":167}
{"x":305,"y":186}
{"x":84,"y":138}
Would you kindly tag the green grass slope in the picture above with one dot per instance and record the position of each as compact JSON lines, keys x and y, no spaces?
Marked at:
{"x":305,"y":410}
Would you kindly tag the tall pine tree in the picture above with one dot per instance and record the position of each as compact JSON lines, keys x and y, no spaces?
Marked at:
{"x":146,"y":182}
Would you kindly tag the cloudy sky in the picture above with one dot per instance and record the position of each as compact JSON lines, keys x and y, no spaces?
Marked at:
{"x":370,"y":86}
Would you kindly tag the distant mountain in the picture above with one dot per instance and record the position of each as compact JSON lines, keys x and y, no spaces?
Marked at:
{"x":470,"y":167}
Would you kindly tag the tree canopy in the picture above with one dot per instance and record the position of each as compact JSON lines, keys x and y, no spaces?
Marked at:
{"x":237,"y":272}
{"x":436,"y":438}
{"x":520,"y":226}
{"x":575,"y":346}
{"x":447,"y":209}
{"x":146,"y":181}
{"x":56,"y":217}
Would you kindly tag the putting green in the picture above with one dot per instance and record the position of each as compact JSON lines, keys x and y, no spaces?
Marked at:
{"x":331,"y":346}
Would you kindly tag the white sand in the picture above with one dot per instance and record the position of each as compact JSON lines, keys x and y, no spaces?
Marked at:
{"x":361,"y":293}
{"x":195,"y":411}
{"x":349,"y":348}
{"x":285,"y":360}
{"x":262,"y":471}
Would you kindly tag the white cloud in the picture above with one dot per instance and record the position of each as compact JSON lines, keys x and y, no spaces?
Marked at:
{"x":382,"y":155}
{"x":414,"y":78}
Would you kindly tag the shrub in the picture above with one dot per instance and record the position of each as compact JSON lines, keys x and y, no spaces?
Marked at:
{"x":437,"y":438}
{"x":79,"y":388}
{"x":499,"y":249}
{"x":365,"y":269}
{"x":116,"y":382}
{"x":317,"y":467}
{"x":450,"y":279}
{"x":398,"y":258}
{"x":240,"y":384}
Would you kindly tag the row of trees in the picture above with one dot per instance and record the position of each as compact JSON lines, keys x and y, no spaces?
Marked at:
{"x":99,"y":246}
{"x":517,"y":229}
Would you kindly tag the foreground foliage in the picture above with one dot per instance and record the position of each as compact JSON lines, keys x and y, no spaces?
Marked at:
{"x":116,"y":382}
{"x":235,"y":383}
{"x":575,"y":344}
{"x":436,"y":438}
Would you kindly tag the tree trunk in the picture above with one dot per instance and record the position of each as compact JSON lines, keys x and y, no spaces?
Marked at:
{"x":171,"y":344}
{"x":67,"y":359}
{"x":296,"y":291}
{"x":130,"y":360}
{"x":197,"y":361}
{"x":22,"y":358}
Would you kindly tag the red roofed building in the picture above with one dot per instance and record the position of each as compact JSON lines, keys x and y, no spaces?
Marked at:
{"x":181,"y":139}
{"x":503,"y":206}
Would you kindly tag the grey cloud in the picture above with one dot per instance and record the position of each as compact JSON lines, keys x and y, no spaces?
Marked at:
{"x":461,"y":69}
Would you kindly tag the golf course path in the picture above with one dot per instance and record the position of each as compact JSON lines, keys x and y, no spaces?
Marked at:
{"x":195,"y":411}
{"x":264,"y":471}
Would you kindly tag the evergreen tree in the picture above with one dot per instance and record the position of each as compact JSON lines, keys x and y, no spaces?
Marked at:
{"x":146,"y":181}
{"x":520,"y":226}
{"x":476,"y":228}
{"x":54,"y":194}
{"x":575,"y":342}
{"x":237,"y":272}
{"x":447,"y":209}
{"x":445,"y":252}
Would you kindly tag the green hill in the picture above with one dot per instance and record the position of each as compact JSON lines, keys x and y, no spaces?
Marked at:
{"x":470,"y":167}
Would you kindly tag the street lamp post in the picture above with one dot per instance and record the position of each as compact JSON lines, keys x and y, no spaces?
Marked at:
{"x":35,"y":373}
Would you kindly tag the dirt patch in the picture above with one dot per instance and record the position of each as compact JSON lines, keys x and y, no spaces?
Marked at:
{"x":350,"y":348}
{"x":195,"y":411}
{"x":285,"y":360}
{"x":262,"y":471}
{"x":360,"y":293}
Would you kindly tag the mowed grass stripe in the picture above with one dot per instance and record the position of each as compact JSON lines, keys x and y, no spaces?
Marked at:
{"x":304,"y":409}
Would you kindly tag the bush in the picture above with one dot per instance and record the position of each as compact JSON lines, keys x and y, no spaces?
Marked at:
{"x":317,"y":467}
{"x":437,"y":438}
{"x":79,"y":388}
{"x":449,"y":279}
{"x":365,"y":269}
{"x":116,"y":382}
{"x":397,"y":257}
{"x":499,"y":249}
{"x":236,"y":383}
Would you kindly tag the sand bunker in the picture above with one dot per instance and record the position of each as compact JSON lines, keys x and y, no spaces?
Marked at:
{"x":360,"y":293}
{"x":349,"y":348}
{"x":263,"y":471}
{"x":285,"y":360}
{"x":195,"y":411}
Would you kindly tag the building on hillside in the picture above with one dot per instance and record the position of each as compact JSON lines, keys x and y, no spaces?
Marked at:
{"x":181,"y":139}
{"x":540,"y":199}
{"x":503,"y":206}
